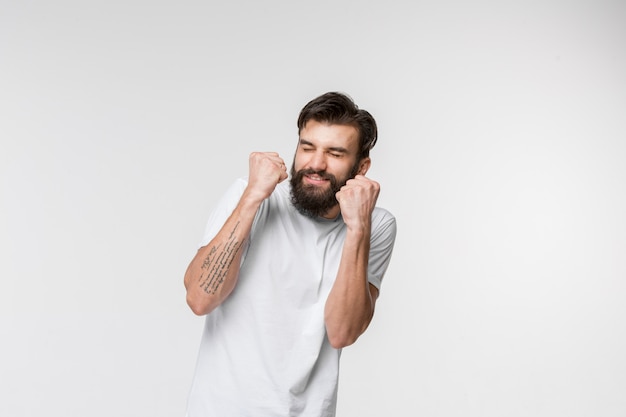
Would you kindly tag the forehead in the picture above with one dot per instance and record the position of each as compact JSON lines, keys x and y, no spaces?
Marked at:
{"x":330,"y":135}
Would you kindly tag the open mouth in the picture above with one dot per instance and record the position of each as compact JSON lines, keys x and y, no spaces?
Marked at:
{"x":315,"y":179}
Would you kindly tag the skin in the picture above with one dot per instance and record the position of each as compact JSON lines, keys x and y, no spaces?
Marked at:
{"x":213,"y":272}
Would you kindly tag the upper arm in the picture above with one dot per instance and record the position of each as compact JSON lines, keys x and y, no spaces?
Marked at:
{"x":374,"y":292}
{"x":374,"y":296}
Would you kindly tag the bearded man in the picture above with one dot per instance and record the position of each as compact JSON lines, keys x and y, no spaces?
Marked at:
{"x":288,"y":272}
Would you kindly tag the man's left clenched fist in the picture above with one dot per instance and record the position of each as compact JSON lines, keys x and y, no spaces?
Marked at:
{"x":357,"y":200}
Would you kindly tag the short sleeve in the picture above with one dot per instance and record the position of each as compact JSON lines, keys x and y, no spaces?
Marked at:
{"x":381,"y":245}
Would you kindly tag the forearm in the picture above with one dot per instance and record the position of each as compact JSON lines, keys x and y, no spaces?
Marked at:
{"x":213,"y":272}
{"x":350,"y":304}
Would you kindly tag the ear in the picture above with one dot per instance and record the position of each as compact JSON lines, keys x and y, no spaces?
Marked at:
{"x":364,"y":166}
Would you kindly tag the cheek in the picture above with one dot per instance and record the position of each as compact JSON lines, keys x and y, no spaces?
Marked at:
{"x":305,"y":160}
{"x":298,"y":162}
{"x":340,"y":169}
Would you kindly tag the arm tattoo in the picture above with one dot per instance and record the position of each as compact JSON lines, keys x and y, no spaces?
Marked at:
{"x":218,"y":262}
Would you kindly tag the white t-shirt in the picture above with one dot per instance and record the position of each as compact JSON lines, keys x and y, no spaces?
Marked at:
{"x":264,"y":350}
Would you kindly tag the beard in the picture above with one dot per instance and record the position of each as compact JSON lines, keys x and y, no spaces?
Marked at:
{"x":313,"y":201}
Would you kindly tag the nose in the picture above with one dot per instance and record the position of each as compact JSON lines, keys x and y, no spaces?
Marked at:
{"x":317,"y":161}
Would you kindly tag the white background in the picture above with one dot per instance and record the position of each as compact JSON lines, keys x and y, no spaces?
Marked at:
{"x":502,"y":153}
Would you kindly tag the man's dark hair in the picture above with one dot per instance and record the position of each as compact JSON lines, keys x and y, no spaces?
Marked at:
{"x":340,"y":109}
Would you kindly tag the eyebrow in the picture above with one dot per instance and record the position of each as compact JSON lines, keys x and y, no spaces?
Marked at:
{"x":332,"y":148}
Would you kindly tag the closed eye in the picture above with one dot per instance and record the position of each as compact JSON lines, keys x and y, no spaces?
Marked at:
{"x":335,"y":152}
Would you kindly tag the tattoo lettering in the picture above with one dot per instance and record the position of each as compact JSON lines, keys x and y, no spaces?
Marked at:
{"x":218,"y":262}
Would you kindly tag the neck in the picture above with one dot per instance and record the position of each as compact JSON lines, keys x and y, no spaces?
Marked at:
{"x":332,"y":213}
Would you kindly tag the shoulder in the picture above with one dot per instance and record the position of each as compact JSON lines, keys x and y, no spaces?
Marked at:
{"x":236,"y":188}
{"x":240,"y":183}
{"x":383,"y":224}
{"x":382,"y":216}
{"x":280,"y":199}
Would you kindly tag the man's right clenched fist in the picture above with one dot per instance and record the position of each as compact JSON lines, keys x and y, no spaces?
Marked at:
{"x":267,"y":169}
